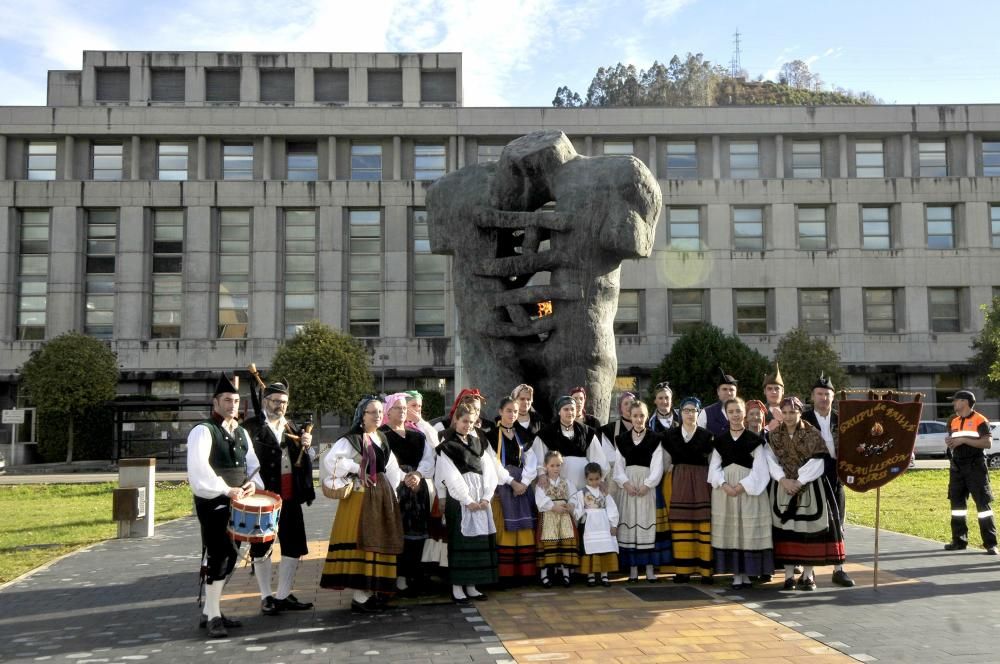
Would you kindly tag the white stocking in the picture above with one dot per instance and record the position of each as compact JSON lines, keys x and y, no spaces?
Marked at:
{"x":286,"y":576}
{"x":262,"y":570}
{"x":213,"y":596}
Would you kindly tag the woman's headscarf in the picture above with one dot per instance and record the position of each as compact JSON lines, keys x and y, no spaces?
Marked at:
{"x":563,"y":401}
{"x":625,"y":395}
{"x":692,"y":400}
{"x":359,"y":412}
{"x":414,"y":394}
{"x":466,"y":392}
{"x":794,"y":402}
{"x":521,"y":388}
{"x":755,"y":404}
{"x":391,"y":401}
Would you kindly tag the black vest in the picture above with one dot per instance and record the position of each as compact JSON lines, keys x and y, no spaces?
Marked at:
{"x":695,"y":452}
{"x":512,"y":451}
{"x":569,"y":447}
{"x":467,"y":458}
{"x":228,"y":457}
{"x":739,"y":451}
{"x":409,"y":449}
{"x":269,"y":453}
{"x":641,"y":454}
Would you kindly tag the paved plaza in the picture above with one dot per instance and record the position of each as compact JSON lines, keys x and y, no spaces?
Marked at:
{"x":134,"y":600}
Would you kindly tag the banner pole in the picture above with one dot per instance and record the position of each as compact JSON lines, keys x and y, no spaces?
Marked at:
{"x":878,"y":515}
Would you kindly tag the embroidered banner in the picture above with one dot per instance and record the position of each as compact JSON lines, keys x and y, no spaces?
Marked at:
{"x":876,"y":441}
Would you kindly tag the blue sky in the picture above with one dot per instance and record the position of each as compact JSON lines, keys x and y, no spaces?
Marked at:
{"x":517,"y":52}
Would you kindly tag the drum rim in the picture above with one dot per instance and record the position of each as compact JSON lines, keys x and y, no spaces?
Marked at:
{"x":263,"y":509}
{"x":252,"y":539}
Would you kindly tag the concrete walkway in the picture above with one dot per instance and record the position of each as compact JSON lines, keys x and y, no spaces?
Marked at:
{"x":134,"y":600}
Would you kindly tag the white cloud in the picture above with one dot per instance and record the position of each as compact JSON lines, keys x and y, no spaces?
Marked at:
{"x":664,"y":9}
{"x":53,"y":30}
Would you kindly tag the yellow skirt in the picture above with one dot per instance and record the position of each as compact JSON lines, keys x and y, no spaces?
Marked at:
{"x":692,"y":547}
{"x":598,"y":563}
{"x":347,"y":566}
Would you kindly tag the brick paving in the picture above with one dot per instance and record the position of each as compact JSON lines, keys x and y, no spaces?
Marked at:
{"x":134,"y":600}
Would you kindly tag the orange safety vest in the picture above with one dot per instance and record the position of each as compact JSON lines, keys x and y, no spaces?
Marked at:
{"x":970,"y":423}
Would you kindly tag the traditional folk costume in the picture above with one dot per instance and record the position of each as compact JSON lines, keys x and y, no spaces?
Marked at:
{"x":514,"y":515}
{"x":639,"y":461}
{"x":466,"y":471}
{"x":578,"y":445}
{"x":557,"y":543}
{"x":367,"y":533}
{"x":713,"y":417}
{"x":806,"y":526}
{"x":690,"y":512}
{"x":289,"y":475}
{"x":829,"y":429}
{"x":661,"y":424}
{"x":741,"y":525}
{"x":413,"y":454}
{"x":220,"y":456}
{"x":609,"y":433}
{"x":596,"y":513}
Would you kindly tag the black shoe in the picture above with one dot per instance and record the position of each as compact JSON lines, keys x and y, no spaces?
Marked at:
{"x":370,"y":606}
{"x":270,"y":606}
{"x":682,"y":578}
{"x":708,"y":580}
{"x":481,"y":597}
{"x":789,"y":584}
{"x":566,"y":581}
{"x":546,"y":582}
{"x":591,"y":582}
{"x":992,"y":550}
{"x":806,"y":584}
{"x":841,"y":579}
{"x":764,"y":578}
{"x":633,"y":579}
{"x":652,"y":580}
{"x":606,"y":582}
{"x":291,"y":603}
{"x":460,"y":600}
{"x":956,"y":546}
{"x":228,"y":622}
{"x":217,"y":629}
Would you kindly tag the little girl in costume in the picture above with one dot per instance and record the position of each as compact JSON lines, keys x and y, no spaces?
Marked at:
{"x":556,"y":544}
{"x":597,"y":515}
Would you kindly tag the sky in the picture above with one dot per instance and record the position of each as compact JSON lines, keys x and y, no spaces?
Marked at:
{"x":518,"y":52}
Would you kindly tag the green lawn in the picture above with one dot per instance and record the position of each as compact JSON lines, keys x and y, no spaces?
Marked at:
{"x":916,"y":503}
{"x":45,"y":521}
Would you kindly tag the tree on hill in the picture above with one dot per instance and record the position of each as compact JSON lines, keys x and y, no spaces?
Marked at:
{"x":986,"y":346}
{"x":695,"y":81}
{"x":691,"y":366}
{"x":69,"y":377}
{"x":803,"y":358}
{"x":327,"y":371}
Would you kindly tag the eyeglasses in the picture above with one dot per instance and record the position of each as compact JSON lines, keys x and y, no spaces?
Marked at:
{"x":689,"y":411}
{"x":277,"y":402}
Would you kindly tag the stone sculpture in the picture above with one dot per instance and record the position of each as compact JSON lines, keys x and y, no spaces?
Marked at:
{"x":542,"y":225}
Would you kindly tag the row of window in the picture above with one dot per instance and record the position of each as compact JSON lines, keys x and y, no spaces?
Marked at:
{"x":680,"y":162}
{"x":277,"y":85}
{"x":818,"y":310}
{"x":814,"y":225}
{"x":173,"y":161}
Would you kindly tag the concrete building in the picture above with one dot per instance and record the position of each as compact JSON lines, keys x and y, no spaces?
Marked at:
{"x":195,"y":208}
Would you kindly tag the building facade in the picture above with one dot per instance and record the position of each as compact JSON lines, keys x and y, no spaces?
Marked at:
{"x":195,"y":208}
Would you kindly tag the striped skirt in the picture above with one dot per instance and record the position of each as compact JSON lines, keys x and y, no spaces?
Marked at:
{"x":691,"y":520}
{"x":349,"y":567}
{"x":637,"y":523}
{"x":741,"y":529}
{"x":557,"y":542}
{"x":471,"y":560}
{"x":598,"y":563}
{"x":515,"y":548}
{"x":806,"y":526}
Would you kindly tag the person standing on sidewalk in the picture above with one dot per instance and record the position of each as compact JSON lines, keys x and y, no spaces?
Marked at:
{"x":827,"y":422}
{"x":220,"y":459}
{"x":286,"y":468}
{"x":968,"y":436}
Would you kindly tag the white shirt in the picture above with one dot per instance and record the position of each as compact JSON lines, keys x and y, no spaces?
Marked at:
{"x":204,"y":481}
{"x":655,"y":466}
{"x":826,"y":432}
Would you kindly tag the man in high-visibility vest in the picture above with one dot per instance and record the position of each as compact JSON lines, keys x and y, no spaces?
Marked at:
{"x":968,"y":436}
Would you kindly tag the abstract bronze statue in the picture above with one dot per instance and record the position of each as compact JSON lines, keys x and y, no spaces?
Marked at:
{"x":537,"y":241}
